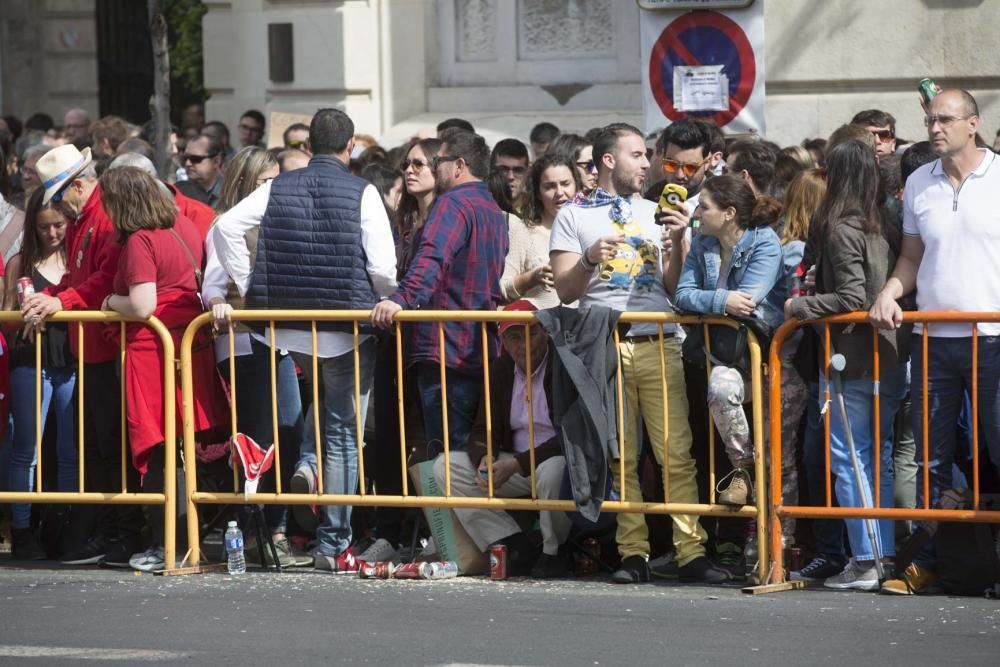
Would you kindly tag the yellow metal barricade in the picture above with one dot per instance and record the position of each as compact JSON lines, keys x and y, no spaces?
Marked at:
{"x":826,"y":510}
{"x":269,"y":319}
{"x":167,"y":499}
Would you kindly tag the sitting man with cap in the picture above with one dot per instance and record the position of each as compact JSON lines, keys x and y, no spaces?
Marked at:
{"x":70,"y":183}
{"x":514,"y":425}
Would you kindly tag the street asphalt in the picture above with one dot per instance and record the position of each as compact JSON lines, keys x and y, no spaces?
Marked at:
{"x":55,"y":616}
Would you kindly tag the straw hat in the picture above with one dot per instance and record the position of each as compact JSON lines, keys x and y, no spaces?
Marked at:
{"x":60,"y":166}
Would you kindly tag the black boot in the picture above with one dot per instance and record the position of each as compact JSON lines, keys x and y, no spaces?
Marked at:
{"x":25,"y":546}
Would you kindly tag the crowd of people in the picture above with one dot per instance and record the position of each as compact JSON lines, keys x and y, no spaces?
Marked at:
{"x":576,"y":228}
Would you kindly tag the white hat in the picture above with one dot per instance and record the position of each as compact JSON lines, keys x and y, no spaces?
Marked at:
{"x":59,"y":166}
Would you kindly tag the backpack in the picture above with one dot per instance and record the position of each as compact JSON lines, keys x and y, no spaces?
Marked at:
{"x":967,"y":558}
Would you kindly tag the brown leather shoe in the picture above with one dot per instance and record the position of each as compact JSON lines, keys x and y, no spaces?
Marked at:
{"x":914,"y":580}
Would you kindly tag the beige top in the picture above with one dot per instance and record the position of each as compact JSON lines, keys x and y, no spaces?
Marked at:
{"x":529,"y":248}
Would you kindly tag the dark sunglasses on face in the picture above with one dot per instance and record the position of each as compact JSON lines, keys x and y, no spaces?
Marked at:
{"x":671,"y":166}
{"x":517,"y":171}
{"x":296,"y":144}
{"x":587,"y":165}
{"x":417,"y":164}
{"x":438,"y":159}
{"x":57,"y":197}
{"x":884,"y":136}
{"x":197,"y":159}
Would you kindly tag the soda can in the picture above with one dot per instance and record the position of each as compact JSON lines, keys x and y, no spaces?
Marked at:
{"x":927,"y":90}
{"x":584,"y":565}
{"x":378,"y":570}
{"x":796,"y":559}
{"x":407,"y":571}
{"x":445,"y":569}
{"x":498,"y":562}
{"x":25,"y":288}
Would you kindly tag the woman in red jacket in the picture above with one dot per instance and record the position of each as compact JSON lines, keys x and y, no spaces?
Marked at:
{"x":158,"y":274}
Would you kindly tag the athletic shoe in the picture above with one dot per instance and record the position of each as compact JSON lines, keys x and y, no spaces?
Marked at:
{"x":854,"y":577}
{"x":119,"y":554}
{"x":379,"y":551}
{"x":304,"y":481}
{"x":91,"y":553}
{"x":702,"y":571}
{"x":633,"y":570}
{"x":285,"y":558}
{"x":729,"y":557}
{"x":301,"y":558}
{"x":150,"y":560}
{"x":820,"y":568}
{"x":913,"y":581}
{"x":739,"y":491}
{"x":665,"y":566}
{"x":25,"y":546}
{"x":344,"y":563}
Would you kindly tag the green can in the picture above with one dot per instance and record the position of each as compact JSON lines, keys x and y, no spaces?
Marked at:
{"x":927,"y":90}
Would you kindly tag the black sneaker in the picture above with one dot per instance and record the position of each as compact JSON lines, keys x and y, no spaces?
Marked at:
{"x":91,"y":553}
{"x":549,"y":567}
{"x":25,"y":546}
{"x":119,"y":553}
{"x":702,"y":571}
{"x":633,"y":570}
{"x":729,"y":557}
{"x":820,"y":568}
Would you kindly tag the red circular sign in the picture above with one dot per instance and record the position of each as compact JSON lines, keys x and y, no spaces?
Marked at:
{"x":703,"y":38}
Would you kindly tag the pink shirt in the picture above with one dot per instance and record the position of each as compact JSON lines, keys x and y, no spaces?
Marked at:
{"x":540,"y":408}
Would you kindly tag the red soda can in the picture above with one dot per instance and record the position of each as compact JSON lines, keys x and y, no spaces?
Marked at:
{"x":797,"y":287}
{"x":25,"y":288}
{"x":498,"y":562}
{"x":796,"y":559}
{"x":378,"y":570}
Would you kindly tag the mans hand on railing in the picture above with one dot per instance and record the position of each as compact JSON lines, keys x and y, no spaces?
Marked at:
{"x":221,"y":315}
{"x":885,"y":313}
{"x":383,"y":312}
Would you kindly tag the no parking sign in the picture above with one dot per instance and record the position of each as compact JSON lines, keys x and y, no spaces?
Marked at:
{"x":704,"y":64}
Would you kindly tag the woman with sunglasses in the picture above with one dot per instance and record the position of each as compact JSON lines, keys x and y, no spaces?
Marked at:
{"x":552,"y":181}
{"x":42,"y":259}
{"x":418,"y":195}
{"x":733,"y":265}
{"x":581,"y":154}
{"x":251,"y":168}
{"x":854,"y":262}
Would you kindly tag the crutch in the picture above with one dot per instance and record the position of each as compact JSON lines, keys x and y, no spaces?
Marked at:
{"x":837,"y":364}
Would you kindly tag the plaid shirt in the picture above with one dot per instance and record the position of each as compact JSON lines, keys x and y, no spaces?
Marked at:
{"x":457,"y":266}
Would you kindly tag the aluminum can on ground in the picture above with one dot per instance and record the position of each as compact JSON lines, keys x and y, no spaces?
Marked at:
{"x":378,"y":570}
{"x":498,"y":562}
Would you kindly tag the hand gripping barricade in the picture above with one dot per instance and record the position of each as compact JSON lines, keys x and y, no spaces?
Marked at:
{"x":167,"y":499}
{"x":270,"y":320}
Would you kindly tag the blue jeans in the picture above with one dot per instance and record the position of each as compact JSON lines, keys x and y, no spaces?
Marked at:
{"x":859,"y":401}
{"x":949,"y":377}
{"x":57,"y":393}
{"x":340,"y":439}
{"x":464,"y":393}
{"x":828,"y":533}
{"x":253,"y":414}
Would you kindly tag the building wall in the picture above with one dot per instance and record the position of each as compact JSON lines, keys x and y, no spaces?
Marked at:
{"x":48,"y":57}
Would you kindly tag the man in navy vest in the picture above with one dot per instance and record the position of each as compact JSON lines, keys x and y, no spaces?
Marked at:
{"x":325,"y":244}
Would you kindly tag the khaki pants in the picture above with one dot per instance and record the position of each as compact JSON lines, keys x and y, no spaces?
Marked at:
{"x":643,"y":390}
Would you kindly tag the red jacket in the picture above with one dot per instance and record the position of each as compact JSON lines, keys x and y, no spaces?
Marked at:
{"x":201,"y":215}
{"x":92,"y":252}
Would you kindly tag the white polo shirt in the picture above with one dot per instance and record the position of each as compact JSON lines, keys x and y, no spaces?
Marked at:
{"x":960,"y":230}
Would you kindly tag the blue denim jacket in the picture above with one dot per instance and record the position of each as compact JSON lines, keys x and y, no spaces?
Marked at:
{"x":756,"y":267}
{"x":791,"y":257}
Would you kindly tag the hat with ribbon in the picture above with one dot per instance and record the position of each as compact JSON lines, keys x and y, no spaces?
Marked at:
{"x":522,"y":305}
{"x":60,"y":166}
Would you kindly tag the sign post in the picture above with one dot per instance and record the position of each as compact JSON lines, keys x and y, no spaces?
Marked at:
{"x":703,"y":64}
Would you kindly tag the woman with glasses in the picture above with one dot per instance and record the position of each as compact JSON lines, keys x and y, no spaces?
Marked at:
{"x":250,"y":169}
{"x":552,"y":181}
{"x":581,"y":153}
{"x":42,"y":259}
{"x":158,"y":274}
{"x":854,"y":262}
{"x":416,"y":199}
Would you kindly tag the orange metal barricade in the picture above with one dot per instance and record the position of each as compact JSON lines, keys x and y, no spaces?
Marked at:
{"x":827,"y":511}
{"x":490,"y":501}
{"x":168,"y":498}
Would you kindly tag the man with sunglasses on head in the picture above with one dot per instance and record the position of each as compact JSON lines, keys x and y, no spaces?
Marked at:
{"x":882,"y":125}
{"x":296,"y":136}
{"x":686,"y":158}
{"x":951,"y":256}
{"x":203,"y":161}
{"x":457,"y":266}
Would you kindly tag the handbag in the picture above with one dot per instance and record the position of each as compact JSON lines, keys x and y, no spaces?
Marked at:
{"x":728,"y":346}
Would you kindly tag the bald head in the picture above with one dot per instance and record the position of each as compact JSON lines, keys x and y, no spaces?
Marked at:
{"x":952,"y":123}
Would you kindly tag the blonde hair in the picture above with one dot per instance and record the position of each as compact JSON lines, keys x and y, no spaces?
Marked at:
{"x":135,"y":200}
{"x":242,"y":174}
{"x":802,"y":199}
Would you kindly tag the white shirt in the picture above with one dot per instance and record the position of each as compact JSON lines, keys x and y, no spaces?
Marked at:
{"x":376,"y":242}
{"x":960,"y":230}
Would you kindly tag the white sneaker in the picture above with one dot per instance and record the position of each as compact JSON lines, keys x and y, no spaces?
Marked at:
{"x":150,"y":560}
{"x":381,"y":550}
{"x":853,"y":577}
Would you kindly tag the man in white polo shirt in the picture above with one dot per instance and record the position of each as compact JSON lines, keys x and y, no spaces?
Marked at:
{"x":951,"y":255}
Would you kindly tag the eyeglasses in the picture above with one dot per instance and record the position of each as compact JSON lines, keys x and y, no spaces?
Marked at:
{"x":57,"y":197}
{"x":884,"y":136}
{"x":944,"y":120}
{"x":296,"y":144}
{"x":438,"y":159}
{"x":251,"y":128}
{"x":517,"y":171}
{"x":671,"y":166}
{"x":416,"y":163}
{"x":587,"y":165}
{"x":197,"y":159}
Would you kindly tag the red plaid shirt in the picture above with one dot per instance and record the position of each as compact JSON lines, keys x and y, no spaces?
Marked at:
{"x":457,"y":266}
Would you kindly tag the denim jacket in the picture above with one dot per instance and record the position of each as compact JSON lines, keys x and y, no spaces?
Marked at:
{"x":755,"y":268}
{"x":791,"y":257}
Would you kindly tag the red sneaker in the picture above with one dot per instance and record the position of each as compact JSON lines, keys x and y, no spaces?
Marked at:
{"x":344,"y":563}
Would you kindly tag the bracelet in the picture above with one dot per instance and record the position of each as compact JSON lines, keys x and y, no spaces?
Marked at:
{"x":586,"y":263}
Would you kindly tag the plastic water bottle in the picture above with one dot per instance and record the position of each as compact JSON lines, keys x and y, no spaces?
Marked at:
{"x":234,"y":548}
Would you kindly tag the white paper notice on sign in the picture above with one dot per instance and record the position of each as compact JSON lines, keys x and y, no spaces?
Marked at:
{"x":701,"y":88}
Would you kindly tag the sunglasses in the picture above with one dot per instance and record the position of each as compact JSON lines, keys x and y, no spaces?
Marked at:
{"x":197,"y":159}
{"x":416,"y":163}
{"x":296,"y":144}
{"x":57,"y":197}
{"x":587,"y":165}
{"x":517,"y":171}
{"x":944,"y":120}
{"x":671,"y":167}
{"x":884,"y":136}
{"x":438,"y":159}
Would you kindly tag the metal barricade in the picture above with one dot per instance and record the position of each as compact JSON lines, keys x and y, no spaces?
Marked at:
{"x":827,"y":511}
{"x":269,"y":319}
{"x":167,"y":499}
